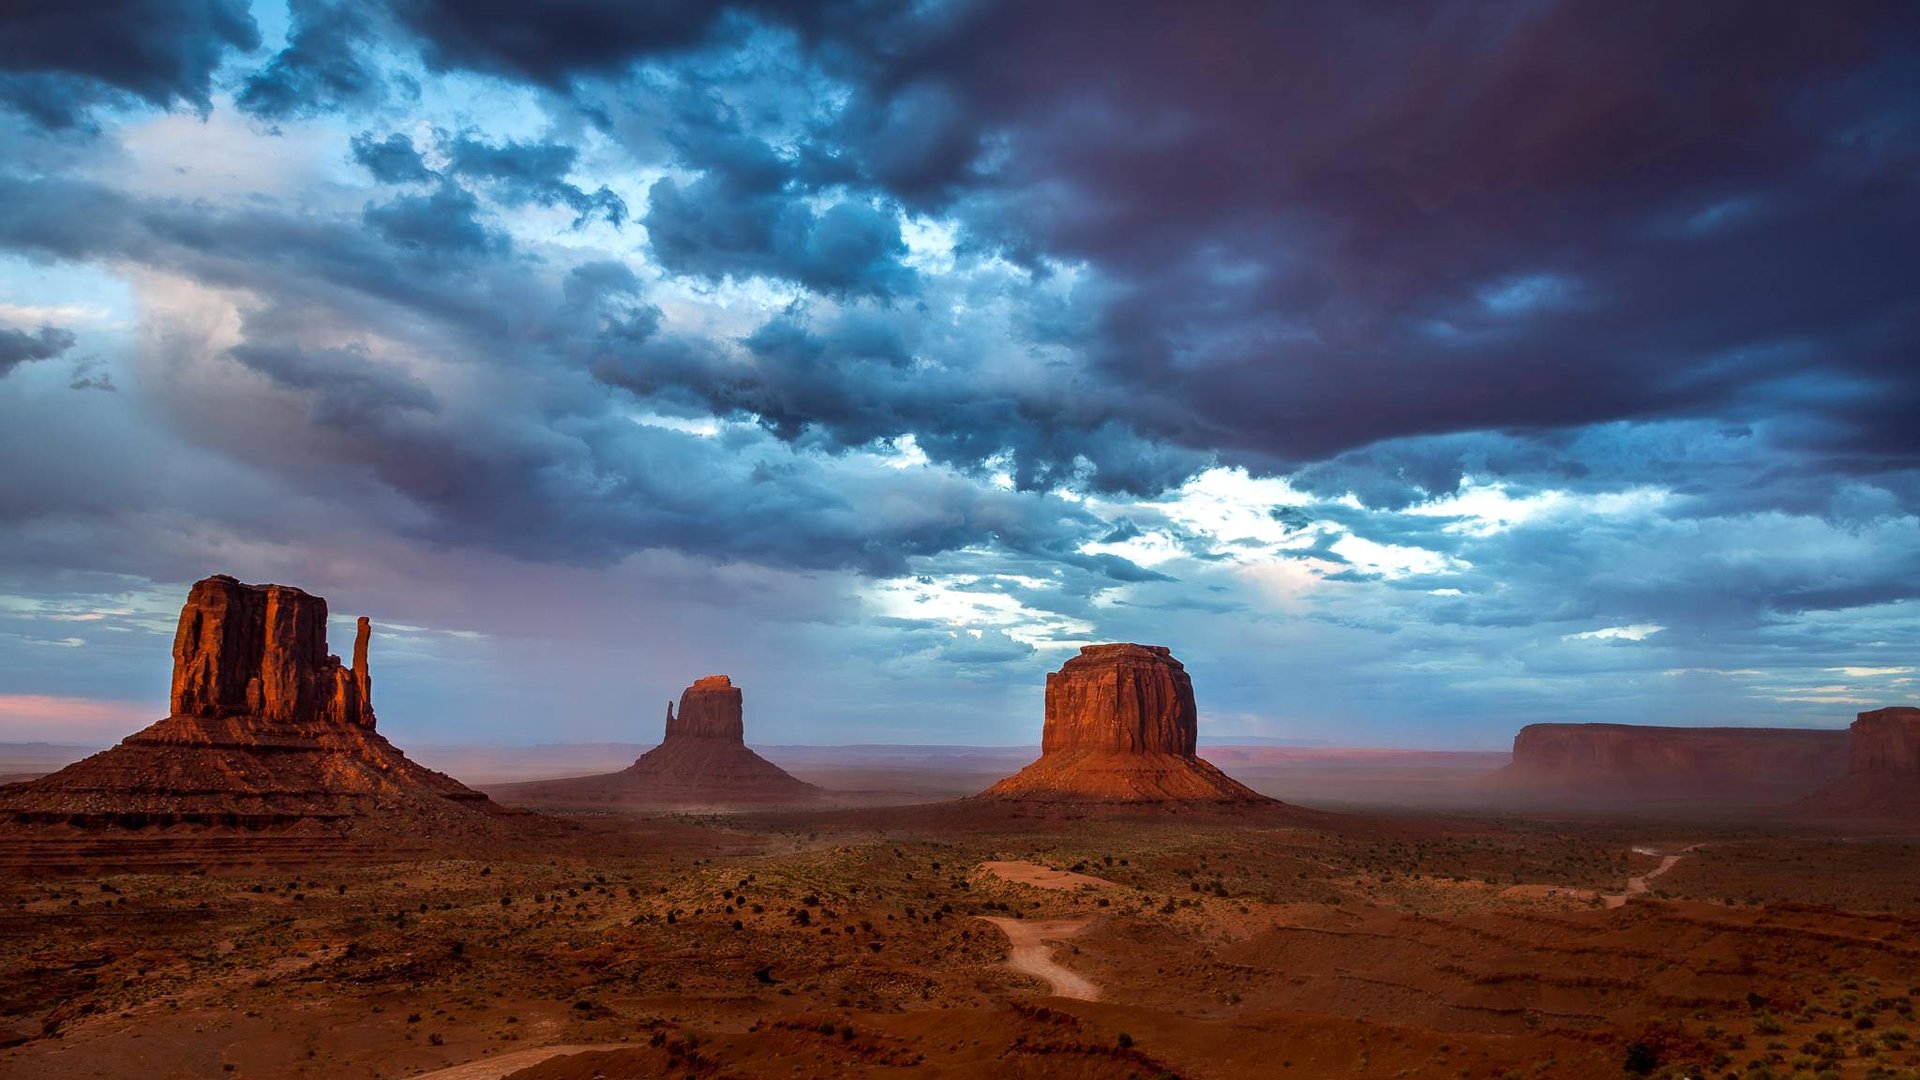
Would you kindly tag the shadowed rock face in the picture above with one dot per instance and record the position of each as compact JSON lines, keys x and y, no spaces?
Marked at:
{"x":709,"y":709}
{"x":1883,"y":779}
{"x":268,"y":731}
{"x":1121,"y":726}
{"x":1887,"y":740}
{"x":1764,"y":763}
{"x":702,"y":760}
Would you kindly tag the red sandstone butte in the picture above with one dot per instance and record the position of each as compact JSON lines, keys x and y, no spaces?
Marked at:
{"x":703,"y":760}
{"x":268,"y":731}
{"x":1121,"y":727}
{"x":1883,"y":777}
{"x":1589,"y":762}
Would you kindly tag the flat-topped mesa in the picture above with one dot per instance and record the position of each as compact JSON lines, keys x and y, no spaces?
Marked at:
{"x":1887,"y":740}
{"x":1121,"y":727}
{"x":709,"y":709}
{"x":1121,"y":699}
{"x":1558,"y":762}
{"x":261,"y":650}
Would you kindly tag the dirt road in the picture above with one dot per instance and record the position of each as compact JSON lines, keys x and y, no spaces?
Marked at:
{"x":500,"y":1065}
{"x":1034,"y":956}
{"x":1637,"y":886}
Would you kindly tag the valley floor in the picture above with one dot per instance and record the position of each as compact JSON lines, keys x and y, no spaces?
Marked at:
{"x":877,"y":943}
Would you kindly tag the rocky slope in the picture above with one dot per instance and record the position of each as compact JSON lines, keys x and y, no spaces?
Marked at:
{"x":703,"y":760}
{"x":1121,"y":727}
{"x":268,"y":732}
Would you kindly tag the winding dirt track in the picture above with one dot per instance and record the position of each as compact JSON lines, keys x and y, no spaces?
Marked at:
{"x":502,"y":1065}
{"x":1637,"y":886}
{"x":1033,"y":955}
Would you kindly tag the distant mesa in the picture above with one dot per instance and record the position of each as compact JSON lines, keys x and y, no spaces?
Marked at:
{"x":267,"y":731}
{"x":1726,"y":765}
{"x":1883,"y":774}
{"x":703,"y":760}
{"x":1121,"y":727}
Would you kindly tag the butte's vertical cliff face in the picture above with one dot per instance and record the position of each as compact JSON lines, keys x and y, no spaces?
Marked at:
{"x":1883,"y":775}
{"x":1887,"y":740}
{"x":261,"y":650}
{"x":1121,"y":699}
{"x":1121,"y":726}
{"x":709,"y":709}
{"x":267,"y":730}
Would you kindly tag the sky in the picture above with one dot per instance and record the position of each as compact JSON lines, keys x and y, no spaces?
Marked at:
{"x":1414,"y":372}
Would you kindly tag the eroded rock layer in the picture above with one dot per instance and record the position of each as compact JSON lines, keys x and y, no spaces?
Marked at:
{"x":1883,"y":775}
{"x":702,"y":760}
{"x":1726,"y":764}
{"x":268,"y":731}
{"x":1121,"y":726}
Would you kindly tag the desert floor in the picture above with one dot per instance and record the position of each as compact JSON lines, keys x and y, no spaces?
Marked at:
{"x":932,"y":942}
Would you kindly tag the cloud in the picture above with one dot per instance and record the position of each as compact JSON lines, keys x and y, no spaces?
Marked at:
{"x":57,"y":62}
{"x":523,"y":173}
{"x":392,"y":160}
{"x":444,"y":221}
{"x":18,"y":347}
{"x":323,"y":68}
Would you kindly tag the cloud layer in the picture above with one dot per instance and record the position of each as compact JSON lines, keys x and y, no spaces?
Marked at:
{"x":1414,"y":373}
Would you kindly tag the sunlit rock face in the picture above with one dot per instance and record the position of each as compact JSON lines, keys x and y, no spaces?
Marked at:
{"x":1121,"y":727}
{"x":268,"y":731}
{"x":709,"y":709}
{"x":261,"y":650}
{"x":1121,"y":699}
{"x":702,"y":760}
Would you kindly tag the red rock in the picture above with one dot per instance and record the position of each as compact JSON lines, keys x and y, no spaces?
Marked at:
{"x":1121,"y":698}
{"x":709,"y":709}
{"x":1121,"y":726}
{"x":1883,"y":777}
{"x":261,"y":650}
{"x":702,"y":760}
{"x":1887,"y":740}
{"x":268,"y":731}
{"x":1588,"y":762}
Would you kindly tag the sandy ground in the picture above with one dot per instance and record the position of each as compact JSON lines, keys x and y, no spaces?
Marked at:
{"x":504,"y":1065}
{"x":1033,"y":953}
{"x":1021,"y":872}
{"x":854,"y":943}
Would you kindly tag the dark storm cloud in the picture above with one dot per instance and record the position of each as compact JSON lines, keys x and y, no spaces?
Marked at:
{"x":18,"y":346}
{"x":444,"y":221}
{"x":392,"y":160}
{"x":530,"y":462}
{"x":1331,"y":226}
{"x":324,"y":66}
{"x":522,"y":173}
{"x":553,"y":43}
{"x":855,"y":381}
{"x":1321,"y":226}
{"x":59,"y":60}
{"x":746,"y":214}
